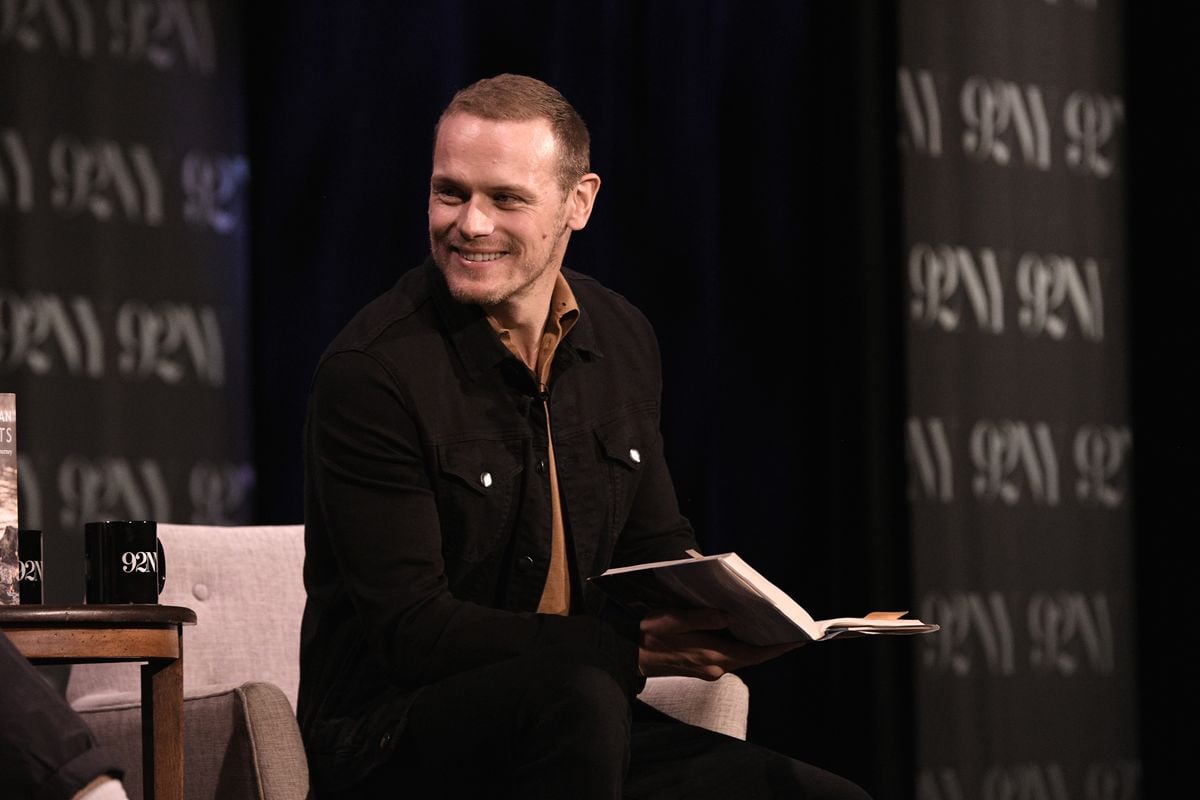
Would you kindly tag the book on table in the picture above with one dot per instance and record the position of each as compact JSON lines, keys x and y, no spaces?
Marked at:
{"x":761,"y":613}
{"x":10,"y":564}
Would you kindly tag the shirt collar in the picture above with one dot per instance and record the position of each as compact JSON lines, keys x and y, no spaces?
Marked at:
{"x":563,"y":313}
{"x":475,"y":341}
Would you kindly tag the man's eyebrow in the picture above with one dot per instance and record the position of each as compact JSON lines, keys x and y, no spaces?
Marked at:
{"x":443,"y":182}
{"x":505,"y":188}
{"x":446,"y":182}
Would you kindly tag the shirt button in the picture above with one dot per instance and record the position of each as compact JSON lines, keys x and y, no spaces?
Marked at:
{"x":525,"y":563}
{"x":541,"y":466}
{"x":384,"y":741}
{"x":485,"y":478}
{"x":635,"y":456}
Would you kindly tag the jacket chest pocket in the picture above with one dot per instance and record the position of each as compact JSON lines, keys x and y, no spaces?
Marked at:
{"x":622,"y":448}
{"x":476,"y":496}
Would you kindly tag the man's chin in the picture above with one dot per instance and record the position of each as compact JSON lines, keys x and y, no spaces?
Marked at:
{"x":472,"y":292}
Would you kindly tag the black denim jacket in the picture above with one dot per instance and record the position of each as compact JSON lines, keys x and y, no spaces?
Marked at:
{"x":428,"y":508}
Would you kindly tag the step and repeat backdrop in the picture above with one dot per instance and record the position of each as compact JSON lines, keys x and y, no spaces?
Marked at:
{"x":1018,"y":437}
{"x":123,"y":265}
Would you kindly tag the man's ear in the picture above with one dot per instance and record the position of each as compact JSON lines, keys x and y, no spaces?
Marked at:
{"x":581,"y":199}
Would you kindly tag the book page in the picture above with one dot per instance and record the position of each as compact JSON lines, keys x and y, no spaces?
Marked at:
{"x":868,"y":622}
{"x":779,"y":598}
{"x":708,"y":582}
{"x":872,"y":626}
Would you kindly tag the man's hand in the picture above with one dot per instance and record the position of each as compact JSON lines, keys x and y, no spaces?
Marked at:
{"x":694,"y":643}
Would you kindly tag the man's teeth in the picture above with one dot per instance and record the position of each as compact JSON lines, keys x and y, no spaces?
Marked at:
{"x":479,"y":256}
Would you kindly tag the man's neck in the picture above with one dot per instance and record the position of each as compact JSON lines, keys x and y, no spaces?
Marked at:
{"x":524,"y":318}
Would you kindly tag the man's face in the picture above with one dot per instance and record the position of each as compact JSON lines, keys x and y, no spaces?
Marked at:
{"x":498,"y":219}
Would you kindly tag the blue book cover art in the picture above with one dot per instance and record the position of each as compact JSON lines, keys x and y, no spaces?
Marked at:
{"x":10,"y":565}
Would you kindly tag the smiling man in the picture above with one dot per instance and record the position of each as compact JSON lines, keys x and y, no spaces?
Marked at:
{"x":480,"y":440}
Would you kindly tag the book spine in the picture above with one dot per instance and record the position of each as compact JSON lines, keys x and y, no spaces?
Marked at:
{"x":10,"y":565}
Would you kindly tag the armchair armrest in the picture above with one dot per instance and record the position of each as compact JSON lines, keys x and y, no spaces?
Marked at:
{"x":240,"y":742}
{"x":722,"y":705}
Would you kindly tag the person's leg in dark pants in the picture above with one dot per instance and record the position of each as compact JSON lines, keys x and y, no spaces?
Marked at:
{"x":673,"y":760}
{"x":537,"y":727}
{"x":46,"y":749}
{"x":532,"y":727}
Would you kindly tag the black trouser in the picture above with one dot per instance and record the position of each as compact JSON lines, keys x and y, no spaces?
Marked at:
{"x":545,"y":728}
{"x":46,"y":749}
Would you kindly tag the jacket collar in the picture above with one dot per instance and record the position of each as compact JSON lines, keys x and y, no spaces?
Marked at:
{"x":476,"y":343}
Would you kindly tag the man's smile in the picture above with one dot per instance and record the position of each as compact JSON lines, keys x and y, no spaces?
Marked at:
{"x":480,"y":256}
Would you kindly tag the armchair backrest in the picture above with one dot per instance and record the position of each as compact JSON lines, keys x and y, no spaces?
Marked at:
{"x":245,"y":585}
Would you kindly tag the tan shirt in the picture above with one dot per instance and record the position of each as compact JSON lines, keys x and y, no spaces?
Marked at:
{"x":556,"y":596}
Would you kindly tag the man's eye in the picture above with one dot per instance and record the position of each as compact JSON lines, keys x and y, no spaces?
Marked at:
{"x":506,"y":199}
{"x":448,"y":195}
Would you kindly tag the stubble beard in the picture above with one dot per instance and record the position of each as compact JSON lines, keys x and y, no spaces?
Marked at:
{"x":528,"y":273}
{"x":466,"y":290}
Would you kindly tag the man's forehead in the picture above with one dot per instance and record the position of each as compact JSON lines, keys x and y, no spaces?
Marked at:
{"x":466,"y":137}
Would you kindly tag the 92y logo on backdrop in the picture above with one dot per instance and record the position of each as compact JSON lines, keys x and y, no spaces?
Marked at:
{"x":162,"y":34}
{"x":1064,"y":633}
{"x":44,"y":333}
{"x":171,"y":342}
{"x":1017,"y":461}
{"x":1058,"y":297}
{"x":111,"y":181}
{"x":16,"y":172}
{"x":1118,"y":779}
{"x":1006,"y":123}
{"x":1012,"y":457}
{"x":127,"y":488}
{"x":102,"y":178}
{"x":111,"y":488}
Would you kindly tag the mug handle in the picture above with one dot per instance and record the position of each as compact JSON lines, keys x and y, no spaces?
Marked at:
{"x":162,"y":565}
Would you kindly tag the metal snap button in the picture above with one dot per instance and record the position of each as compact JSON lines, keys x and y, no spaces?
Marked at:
{"x":485,"y":478}
{"x":635,"y":455}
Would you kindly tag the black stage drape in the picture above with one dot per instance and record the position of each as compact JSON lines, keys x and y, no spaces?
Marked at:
{"x":749,"y":207}
{"x":1164,"y":205}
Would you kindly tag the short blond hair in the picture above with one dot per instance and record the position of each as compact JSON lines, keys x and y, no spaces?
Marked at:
{"x":519,"y":98}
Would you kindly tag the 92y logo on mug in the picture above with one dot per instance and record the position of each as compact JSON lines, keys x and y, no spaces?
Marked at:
{"x":124,"y":562}
{"x":140,"y":561}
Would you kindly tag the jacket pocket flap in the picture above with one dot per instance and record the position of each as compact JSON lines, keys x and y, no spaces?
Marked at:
{"x":480,"y":465}
{"x":625,"y":442}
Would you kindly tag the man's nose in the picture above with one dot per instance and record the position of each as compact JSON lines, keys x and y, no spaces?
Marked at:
{"x":473,"y":220}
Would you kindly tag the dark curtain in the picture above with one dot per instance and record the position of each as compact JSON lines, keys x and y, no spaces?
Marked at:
{"x":1165,"y":285}
{"x":749,"y":207}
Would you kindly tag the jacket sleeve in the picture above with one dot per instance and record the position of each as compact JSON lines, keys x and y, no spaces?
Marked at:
{"x":377,"y":509}
{"x":655,"y":529}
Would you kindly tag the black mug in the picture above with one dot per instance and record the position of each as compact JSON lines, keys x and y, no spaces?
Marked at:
{"x":29,"y":552}
{"x":124,"y":561}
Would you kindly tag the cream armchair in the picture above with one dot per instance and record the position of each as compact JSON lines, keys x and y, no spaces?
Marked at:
{"x":242,"y":669}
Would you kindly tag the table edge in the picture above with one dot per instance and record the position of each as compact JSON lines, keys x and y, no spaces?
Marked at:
{"x":98,"y":615}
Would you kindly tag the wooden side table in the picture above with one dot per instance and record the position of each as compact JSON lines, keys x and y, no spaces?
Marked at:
{"x":99,"y":633}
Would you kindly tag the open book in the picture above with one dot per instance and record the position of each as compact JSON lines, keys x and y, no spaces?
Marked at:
{"x":763,"y":613}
